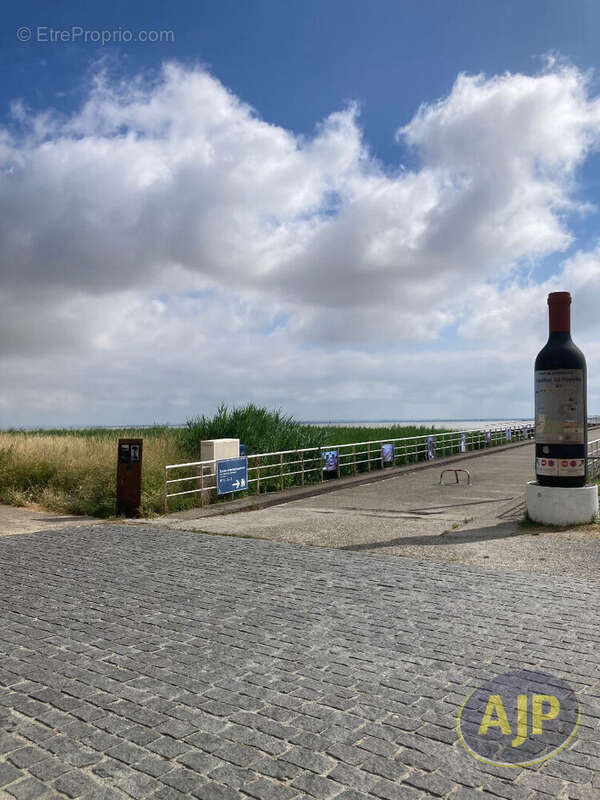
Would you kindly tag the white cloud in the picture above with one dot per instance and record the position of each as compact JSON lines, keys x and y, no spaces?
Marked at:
{"x":314,"y":272}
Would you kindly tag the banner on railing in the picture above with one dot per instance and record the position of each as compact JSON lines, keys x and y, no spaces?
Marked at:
{"x":508,"y":434}
{"x":488,"y":437}
{"x":430,"y":448}
{"x":463,"y":443}
{"x":387,"y":454}
{"x":330,"y":458}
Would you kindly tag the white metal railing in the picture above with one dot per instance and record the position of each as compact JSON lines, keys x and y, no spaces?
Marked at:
{"x":284,"y":468}
{"x":593,"y":458}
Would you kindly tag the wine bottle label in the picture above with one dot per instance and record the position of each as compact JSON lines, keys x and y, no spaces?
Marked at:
{"x":546,"y":466}
{"x":563,"y":467}
{"x":559,"y":407}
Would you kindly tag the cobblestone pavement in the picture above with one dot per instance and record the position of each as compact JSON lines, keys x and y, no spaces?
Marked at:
{"x":139,"y":662}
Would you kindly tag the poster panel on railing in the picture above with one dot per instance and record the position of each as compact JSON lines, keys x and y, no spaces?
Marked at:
{"x":330,"y":460}
{"x":508,"y":434}
{"x":232,"y":475}
{"x":430,"y":448}
{"x":387,"y":454}
{"x":463,"y":443}
{"x":488,"y":437}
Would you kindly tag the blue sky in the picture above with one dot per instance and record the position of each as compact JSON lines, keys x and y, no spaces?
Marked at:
{"x":295,"y":62}
{"x":298,"y":64}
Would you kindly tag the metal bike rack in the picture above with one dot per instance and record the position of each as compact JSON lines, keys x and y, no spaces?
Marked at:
{"x":455,"y":471}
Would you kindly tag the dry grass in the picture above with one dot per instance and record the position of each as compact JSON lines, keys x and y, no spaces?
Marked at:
{"x":77,"y":473}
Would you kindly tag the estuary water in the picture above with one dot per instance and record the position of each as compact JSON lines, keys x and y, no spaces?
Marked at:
{"x":452,"y":424}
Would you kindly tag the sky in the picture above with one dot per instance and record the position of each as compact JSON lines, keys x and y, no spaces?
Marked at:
{"x":341,"y":209}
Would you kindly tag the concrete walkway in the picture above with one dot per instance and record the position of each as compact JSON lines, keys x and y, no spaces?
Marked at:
{"x":15,"y":520}
{"x":412,"y":515}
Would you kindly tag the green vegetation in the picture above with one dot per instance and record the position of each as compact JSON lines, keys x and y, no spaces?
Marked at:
{"x":74,"y":471}
{"x":261,"y":430}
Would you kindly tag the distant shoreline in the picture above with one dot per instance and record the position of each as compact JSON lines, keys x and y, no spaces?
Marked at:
{"x":364,"y":423}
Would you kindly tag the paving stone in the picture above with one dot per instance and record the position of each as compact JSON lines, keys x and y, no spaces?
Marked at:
{"x":274,"y":768}
{"x":215,"y":791}
{"x":232,"y":776}
{"x":347,"y":753}
{"x":389,"y":790}
{"x":49,"y":768}
{"x":317,"y":786}
{"x":434,"y":785}
{"x":138,"y":785}
{"x":8,"y":773}
{"x":25,"y":756}
{"x":263,"y":789}
{"x":184,"y":780}
{"x":167,"y":747}
{"x":8,"y":743}
{"x":127,"y":752}
{"x":306,"y":759}
{"x":74,"y":784}
{"x":28,"y":789}
{"x":198,"y":761}
{"x":154,"y":765}
{"x":141,"y":735}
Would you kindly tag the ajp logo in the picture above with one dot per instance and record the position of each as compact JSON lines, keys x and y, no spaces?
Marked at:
{"x":518,"y":719}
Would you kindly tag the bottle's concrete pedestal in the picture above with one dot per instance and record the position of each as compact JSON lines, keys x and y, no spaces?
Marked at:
{"x":559,"y":505}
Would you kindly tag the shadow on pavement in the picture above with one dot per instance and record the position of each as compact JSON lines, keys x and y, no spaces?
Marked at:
{"x":502,"y":531}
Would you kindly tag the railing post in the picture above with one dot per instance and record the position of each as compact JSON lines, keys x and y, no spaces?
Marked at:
{"x":201,"y":485}
{"x":320,"y":467}
{"x":281,"y":472}
{"x":257,"y":474}
{"x":165,"y":498}
{"x":369,"y":457}
{"x":354,"y":458}
{"x":302,"y":467}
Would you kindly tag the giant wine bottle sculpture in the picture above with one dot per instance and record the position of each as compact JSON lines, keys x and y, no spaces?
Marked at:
{"x":560,"y":402}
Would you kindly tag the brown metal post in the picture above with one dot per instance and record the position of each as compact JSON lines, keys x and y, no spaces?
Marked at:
{"x":129,"y":477}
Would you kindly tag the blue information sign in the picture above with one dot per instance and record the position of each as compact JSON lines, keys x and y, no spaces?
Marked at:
{"x":242,"y":449}
{"x":232,"y":475}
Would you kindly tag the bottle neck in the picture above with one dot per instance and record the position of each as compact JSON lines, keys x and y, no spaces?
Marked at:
{"x":560,"y":317}
{"x":559,"y":337}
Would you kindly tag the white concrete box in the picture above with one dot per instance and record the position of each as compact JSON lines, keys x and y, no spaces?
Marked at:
{"x":561,"y":505}
{"x":216,"y":449}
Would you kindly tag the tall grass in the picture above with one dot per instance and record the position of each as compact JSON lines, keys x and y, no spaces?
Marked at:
{"x":74,"y":471}
{"x":261,"y":430}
